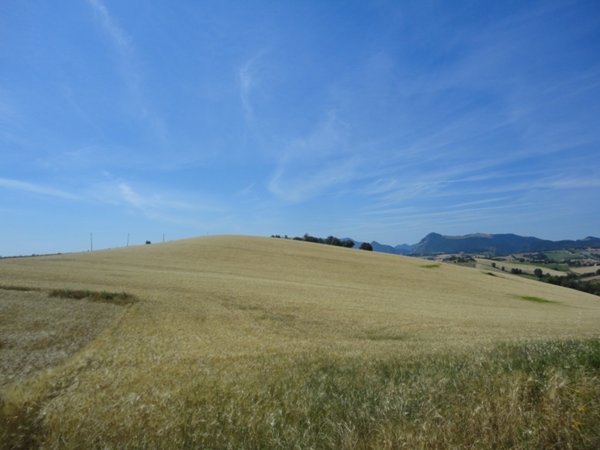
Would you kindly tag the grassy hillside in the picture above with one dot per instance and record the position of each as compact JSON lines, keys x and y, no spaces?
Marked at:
{"x":251,"y":342}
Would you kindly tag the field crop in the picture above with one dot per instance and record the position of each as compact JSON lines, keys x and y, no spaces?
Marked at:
{"x":38,"y":331}
{"x":585,"y":270}
{"x":528,"y":268}
{"x":238,"y":342}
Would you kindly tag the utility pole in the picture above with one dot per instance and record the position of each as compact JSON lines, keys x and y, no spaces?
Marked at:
{"x":127,"y":239}
{"x":91,"y":242}
{"x":163,"y":237}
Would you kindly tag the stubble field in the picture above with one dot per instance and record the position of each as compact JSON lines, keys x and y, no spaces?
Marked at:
{"x":240,"y":342}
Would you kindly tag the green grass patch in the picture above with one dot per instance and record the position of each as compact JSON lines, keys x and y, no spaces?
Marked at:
{"x":563,"y":255}
{"x":430,"y":266}
{"x":560,"y":267}
{"x":555,"y":266}
{"x":531,"y":298}
{"x":118,"y":298}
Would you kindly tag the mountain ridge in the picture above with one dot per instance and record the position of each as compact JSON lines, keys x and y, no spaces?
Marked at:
{"x":495,"y":244}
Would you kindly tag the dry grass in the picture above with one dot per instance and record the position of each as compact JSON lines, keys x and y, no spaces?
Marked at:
{"x":37,"y":332}
{"x":115,"y":298}
{"x":528,"y":396}
{"x":266,"y":343}
{"x":585,"y":270}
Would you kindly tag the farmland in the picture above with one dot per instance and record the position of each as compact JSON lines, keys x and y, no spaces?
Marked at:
{"x":526,"y":268}
{"x":263,"y":343}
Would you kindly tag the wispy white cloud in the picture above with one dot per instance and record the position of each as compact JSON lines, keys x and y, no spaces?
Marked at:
{"x":165,"y":206}
{"x":463,"y":214}
{"x":8,"y":110}
{"x":121,"y":40}
{"x":248,"y":190}
{"x":573,"y":183}
{"x":11,"y":119}
{"x":317,"y":162}
{"x":131,"y":72}
{"x":84,"y":157}
{"x":249,"y":80}
{"x":473,"y":109}
{"x":379,"y":186}
{"x":408,"y":211}
{"x":246,"y":79}
{"x":35,"y":188}
{"x":308,"y":183}
{"x":161,"y":207}
{"x":146,"y":202}
{"x":437,"y":190}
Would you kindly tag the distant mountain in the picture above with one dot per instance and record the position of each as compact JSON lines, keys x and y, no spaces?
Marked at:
{"x":496,"y":244}
{"x":403,"y":249}
{"x":493,"y":244}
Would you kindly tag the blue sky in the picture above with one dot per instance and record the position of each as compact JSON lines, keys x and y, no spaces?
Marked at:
{"x":373,"y":120}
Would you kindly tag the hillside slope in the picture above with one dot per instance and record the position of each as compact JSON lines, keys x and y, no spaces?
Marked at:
{"x":225,"y":275}
{"x":238,"y":309}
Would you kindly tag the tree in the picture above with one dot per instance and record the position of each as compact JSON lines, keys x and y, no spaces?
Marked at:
{"x":538,"y":273}
{"x":309,"y":238}
{"x":332,"y":240}
{"x":348,"y":243}
{"x":366,"y":246}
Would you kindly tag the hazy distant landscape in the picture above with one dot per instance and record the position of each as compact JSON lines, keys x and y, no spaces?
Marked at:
{"x":489,"y":244}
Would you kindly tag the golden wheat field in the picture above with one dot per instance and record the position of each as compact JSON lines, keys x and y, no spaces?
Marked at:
{"x":244,"y":342}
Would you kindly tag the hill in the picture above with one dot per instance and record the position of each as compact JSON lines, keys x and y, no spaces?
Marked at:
{"x":270,"y":343}
{"x":495,"y":244}
{"x":402,"y":249}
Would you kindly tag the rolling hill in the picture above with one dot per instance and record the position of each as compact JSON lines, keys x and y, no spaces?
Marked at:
{"x":255,"y":342}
